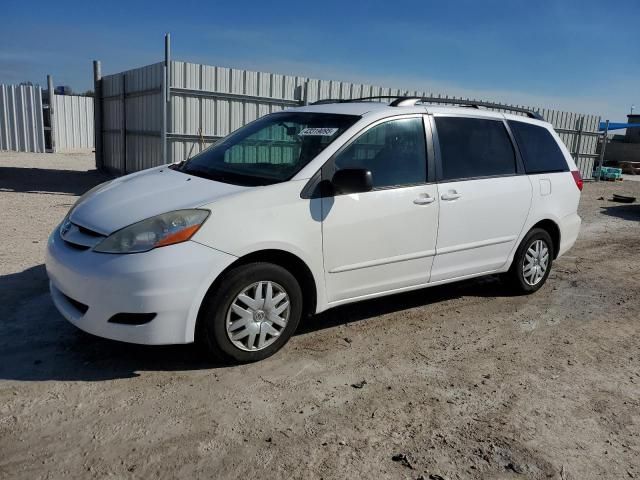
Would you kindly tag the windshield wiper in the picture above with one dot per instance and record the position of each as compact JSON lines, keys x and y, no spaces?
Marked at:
{"x":228,"y":177}
{"x":177,"y":166}
{"x":203,"y":174}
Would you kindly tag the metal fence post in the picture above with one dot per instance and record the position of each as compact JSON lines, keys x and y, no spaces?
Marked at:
{"x":97,"y":113}
{"x":576,"y":152}
{"x":602,"y":149}
{"x":52,"y":128}
{"x":167,"y":60}
{"x":166,"y":94}
{"x":163,"y":132}
{"x":123,"y":131}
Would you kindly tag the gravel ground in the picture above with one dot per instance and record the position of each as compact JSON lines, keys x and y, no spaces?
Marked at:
{"x":461,"y":381}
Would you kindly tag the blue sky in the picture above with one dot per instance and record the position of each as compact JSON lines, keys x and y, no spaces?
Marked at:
{"x":575,"y":55}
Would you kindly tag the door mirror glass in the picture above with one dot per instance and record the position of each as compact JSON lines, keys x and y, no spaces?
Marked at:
{"x":352,"y":180}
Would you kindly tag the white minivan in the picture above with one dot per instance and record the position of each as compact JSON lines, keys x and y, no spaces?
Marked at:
{"x":309,"y":208}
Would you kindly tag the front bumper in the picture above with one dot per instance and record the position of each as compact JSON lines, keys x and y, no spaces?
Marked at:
{"x":169,"y":281}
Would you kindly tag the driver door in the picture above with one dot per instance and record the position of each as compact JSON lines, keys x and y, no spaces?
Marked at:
{"x":384,"y":239}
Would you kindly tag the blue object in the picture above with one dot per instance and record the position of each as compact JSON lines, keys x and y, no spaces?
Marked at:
{"x":618,"y":126}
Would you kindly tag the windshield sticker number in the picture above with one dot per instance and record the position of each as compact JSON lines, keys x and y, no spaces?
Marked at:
{"x":321,"y":132}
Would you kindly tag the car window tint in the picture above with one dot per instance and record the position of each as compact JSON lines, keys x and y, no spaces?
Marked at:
{"x":393,"y":151}
{"x":474,"y":147}
{"x":540,"y":151}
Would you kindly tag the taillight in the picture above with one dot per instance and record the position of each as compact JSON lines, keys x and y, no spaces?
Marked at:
{"x":578,"y":179}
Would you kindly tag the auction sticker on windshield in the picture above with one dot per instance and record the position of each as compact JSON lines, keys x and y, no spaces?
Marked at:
{"x":322,"y":132}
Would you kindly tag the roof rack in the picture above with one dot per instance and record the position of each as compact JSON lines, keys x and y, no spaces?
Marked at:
{"x":360,"y":99}
{"x":328,"y":100}
{"x":401,"y":101}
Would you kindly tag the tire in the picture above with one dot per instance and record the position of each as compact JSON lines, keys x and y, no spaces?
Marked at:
{"x":521,"y":276}
{"x":252,"y":317}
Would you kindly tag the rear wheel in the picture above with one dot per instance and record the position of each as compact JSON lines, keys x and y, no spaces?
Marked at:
{"x":252,"y":313}
{"x":532,"y":262}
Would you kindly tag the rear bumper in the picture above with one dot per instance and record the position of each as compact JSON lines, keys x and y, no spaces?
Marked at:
{"x":169,"y":281}
{"x":569,"y":230}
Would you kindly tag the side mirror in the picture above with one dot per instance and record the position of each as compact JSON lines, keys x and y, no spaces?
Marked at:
{"x":352,"y":180}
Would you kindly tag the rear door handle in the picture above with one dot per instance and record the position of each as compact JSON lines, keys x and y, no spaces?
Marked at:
{"x":450,"y":195}
{"x":424,"y":200}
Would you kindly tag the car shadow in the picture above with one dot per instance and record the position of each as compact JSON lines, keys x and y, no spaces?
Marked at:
{"x":50,"y":181}
{"x":624,"y":211}
{"x":38,"y":344}
{"x":489,"y":287}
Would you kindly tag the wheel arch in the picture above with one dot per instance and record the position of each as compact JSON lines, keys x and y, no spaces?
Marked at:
{"x":291,"y":262}
{"x":553,"y":230}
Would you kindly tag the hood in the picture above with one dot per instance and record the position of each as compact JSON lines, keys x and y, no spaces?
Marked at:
{"x":136,"y":197}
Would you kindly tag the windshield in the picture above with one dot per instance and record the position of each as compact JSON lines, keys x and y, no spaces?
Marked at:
{"x":270,"y":150}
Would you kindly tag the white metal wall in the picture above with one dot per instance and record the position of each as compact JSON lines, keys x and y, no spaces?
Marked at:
{"x":21,"y":121}
{"x":209,"y":102}
{"x":73,"y":123}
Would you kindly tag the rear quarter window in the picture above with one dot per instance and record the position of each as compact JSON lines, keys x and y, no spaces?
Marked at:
{"x":540,"y":151}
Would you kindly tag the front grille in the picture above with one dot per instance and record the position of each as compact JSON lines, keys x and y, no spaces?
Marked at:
{"x":78,"y":237}
{"x":86,"y":231}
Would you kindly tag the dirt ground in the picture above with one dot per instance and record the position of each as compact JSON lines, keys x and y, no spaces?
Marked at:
{"x":462,"y":381}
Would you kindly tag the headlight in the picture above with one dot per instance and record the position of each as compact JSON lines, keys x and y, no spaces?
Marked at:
{"x":160,"y":231}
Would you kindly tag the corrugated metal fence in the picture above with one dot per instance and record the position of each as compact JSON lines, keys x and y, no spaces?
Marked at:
{"x":26,"y":122}
{"x":132,"y":119}
{"x":21,"y":121}
{"x":72,"y":123}
{"x":208,"y":102}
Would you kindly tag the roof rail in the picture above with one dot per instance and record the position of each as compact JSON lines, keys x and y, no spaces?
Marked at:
{"x":406,"y":100}
{"x":360,"y":99}
{"x":327,"y":100}
{"x":465,"y":103}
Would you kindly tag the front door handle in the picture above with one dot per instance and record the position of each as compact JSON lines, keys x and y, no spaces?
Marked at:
{"x":424,"y":200}
{"x":450,"y":195}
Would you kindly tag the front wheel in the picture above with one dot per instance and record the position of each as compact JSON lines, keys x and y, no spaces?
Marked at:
{"x":532,"y":262}
{"x":252,"y":313}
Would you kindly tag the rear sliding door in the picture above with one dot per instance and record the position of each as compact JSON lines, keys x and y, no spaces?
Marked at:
{"x":484,"y":196}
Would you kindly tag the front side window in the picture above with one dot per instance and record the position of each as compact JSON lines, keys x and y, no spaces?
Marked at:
{"x":540,"y":151}
{"x":393,"y":151}
{"x":270,"y":150}
{"x":474,"y":147}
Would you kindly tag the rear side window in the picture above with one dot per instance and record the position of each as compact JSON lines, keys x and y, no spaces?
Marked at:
{"x":540,"y":151}
{"x":393,"y":151}
{"x":474,"y":147}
